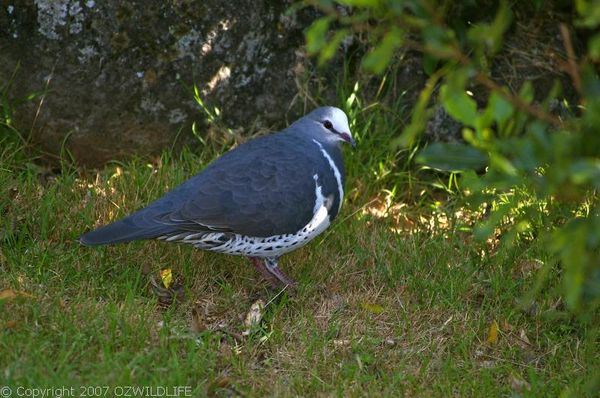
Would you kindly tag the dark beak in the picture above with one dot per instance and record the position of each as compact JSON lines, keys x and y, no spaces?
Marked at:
{"x":348,"y":138}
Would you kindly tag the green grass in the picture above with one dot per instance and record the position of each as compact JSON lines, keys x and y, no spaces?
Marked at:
{"x":393,"y":300}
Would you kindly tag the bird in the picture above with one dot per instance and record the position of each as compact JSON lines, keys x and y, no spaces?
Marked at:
{"x":262,"y":199}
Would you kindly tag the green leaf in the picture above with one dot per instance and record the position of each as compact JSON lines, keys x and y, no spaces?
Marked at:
{"x":590,"y":84}
{"x":569,"y":242}
{"x":526,"y":92}
{"x":430,"y":64}
{"x":328,"y":51}
{"x":452,"y":157}
{"x":439,"y":42}
{"x":501,"y":108}
{"x":485,"y":228}
{"x":589,"y":10}
{"x":352,"y":97}
{"x":594,"y":47}
{"x":379,"y":58}
{"x":502,"y":164}
{"x":420,"y":113}
{"x":489,"y":36}
{"x":316,"y":35}
{"x":584,"y":171}
{"x":498,"y":110}
{"x":458,"y":104}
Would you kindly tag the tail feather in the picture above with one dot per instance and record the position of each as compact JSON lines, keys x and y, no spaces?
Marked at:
{"x":147,"y":223}
{"x":125,"y":230}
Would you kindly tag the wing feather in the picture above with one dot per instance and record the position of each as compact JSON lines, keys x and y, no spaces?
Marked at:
{"x":262,"y":188}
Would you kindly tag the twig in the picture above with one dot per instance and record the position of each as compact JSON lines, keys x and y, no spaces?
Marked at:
{"x":571,"y":66}
{"x":483,"y":79}
{"x":517,"y":101}
{"x":277,"y":295}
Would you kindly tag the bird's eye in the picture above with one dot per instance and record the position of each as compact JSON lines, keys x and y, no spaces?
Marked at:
{"x":328,"y":124}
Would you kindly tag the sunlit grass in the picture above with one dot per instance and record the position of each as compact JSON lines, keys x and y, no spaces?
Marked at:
{"x":395,"y":299}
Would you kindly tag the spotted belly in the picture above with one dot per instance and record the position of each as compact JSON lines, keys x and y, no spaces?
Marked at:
{"x":272,"y":246}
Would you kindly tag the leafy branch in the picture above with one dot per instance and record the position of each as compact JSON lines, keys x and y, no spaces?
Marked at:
{"x":537,"y":172}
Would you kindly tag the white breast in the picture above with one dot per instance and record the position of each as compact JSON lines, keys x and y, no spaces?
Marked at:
{"x":336,"y":173}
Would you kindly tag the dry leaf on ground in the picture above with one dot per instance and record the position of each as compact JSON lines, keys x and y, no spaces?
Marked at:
{"x":9,"y":294}
{"x":492,"y":337}
{"x":373,"y":308}
{"x":254,"y":316}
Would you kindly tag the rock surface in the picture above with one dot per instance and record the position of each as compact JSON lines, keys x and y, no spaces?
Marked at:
{"x":117,"y":78}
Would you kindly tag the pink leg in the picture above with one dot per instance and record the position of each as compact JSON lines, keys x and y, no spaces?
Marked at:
{"x":271,"y":272}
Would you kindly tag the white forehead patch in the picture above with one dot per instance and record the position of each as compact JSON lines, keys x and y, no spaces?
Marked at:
{"x":340,"y":121}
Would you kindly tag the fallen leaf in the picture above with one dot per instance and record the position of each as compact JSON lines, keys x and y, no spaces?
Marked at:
{"x":198,"y":324}
{"x":492,"y":337}
{"x":9,"y":324}
{"x":527,"y":268}
{"x":254,"y":316}
{"x":507,"y":327}
{"x":166,"y":275}
{"x":146,"y":269}
{"x":518,"y":383}
{"x":7,"y":294}
{"x":342,"y":342}
{"x":524,"y":337}
{"x":373,"y":308}
{"x":218,"y":383}
{"x":167,"y":295}
{"x":488,"y":364}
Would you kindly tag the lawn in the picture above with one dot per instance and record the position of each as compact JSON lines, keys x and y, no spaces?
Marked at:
{"x":395,"y":299}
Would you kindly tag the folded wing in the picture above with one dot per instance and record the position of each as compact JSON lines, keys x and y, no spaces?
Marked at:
{"x":262,"y":188}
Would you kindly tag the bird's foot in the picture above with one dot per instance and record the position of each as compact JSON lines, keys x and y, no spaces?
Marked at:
{"x":270,"y":271}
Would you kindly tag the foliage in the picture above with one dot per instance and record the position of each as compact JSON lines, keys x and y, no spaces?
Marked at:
{"x":517,"y":142}
{"x":536,"y":174}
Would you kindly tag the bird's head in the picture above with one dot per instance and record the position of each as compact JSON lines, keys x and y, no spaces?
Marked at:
{"x":331,"y":124}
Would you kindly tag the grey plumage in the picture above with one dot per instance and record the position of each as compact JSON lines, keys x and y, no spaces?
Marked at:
{"x":266,"y":189}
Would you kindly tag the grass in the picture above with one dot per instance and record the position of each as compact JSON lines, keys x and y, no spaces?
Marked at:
{"x":394,"y":300}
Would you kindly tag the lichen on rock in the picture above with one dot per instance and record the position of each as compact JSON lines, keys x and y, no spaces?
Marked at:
{"x":116,"y":77}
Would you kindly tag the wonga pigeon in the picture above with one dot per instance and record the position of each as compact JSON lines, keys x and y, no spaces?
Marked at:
{"x":265,"y":198}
